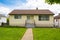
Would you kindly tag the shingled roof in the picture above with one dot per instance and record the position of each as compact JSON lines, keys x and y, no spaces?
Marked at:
{"x":30,"y":12}
{"x":57,"y":17}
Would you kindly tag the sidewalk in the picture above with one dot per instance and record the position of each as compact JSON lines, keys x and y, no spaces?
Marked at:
{"x":28,"y":35}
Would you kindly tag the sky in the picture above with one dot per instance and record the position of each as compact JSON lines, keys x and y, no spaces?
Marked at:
{"x":6,"y":6}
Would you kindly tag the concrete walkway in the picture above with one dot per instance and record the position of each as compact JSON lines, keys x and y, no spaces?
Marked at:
{"x":28,"y":35}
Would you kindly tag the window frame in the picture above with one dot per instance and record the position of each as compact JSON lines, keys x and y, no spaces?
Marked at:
{"x":17,"y":16}
{"x":43,"y":18}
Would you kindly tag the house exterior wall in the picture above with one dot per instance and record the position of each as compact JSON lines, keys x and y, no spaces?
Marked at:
{"x":21,"y":22}
{"x":17,"y":22}
{"x":44,"y":23}
{"x":57,"y":23}
{"x":4,"y":19}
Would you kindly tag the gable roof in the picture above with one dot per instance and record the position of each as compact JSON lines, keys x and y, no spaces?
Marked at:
{"x":57,"y":17}
{"x":30,"y":12}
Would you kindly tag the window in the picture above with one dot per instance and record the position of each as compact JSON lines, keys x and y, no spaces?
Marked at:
{"x":17,"y":16}
{"x":43,"y":17}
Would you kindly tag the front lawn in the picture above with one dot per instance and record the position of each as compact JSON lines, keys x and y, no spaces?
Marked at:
{"x":11,"y":33}
{"x":46,"y":33}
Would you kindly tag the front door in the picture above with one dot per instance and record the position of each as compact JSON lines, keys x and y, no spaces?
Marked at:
{"x":29,"y":17}
{"x":30,"y":21}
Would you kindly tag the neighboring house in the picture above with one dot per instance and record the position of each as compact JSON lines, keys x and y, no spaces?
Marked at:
{"x":2,"y":19}
{"x":31,"y":18}
{"x":57,"y":20}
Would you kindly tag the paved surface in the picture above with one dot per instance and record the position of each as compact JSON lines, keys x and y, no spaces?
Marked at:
{"x":28,"y":35}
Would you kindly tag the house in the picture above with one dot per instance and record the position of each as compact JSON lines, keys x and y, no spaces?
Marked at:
{"x":57,"y":20}
{"x":2,"y":19}
{"x":31,"y":18}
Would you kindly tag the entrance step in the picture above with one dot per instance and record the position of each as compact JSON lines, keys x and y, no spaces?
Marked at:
{"x":30,"y":25}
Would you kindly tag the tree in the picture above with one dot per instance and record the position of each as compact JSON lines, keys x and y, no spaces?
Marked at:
{"x":52,"y":1}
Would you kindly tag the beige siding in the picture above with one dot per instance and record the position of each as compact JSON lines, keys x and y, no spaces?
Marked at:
{"x":17,"y":22}
{"x":44,"y":23}
{"x":21,"y":22}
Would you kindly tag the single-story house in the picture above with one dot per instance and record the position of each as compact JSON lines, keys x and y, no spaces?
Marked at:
{"x":31,"y":18}
{"x":57,"y":20}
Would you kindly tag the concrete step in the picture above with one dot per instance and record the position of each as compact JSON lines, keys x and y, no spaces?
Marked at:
{"x":30,"y":25}
{"x":30,"y":21}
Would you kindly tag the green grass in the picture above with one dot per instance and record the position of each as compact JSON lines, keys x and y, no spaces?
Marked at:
{"x":11,"y":33}
{"x":46,"y":33}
